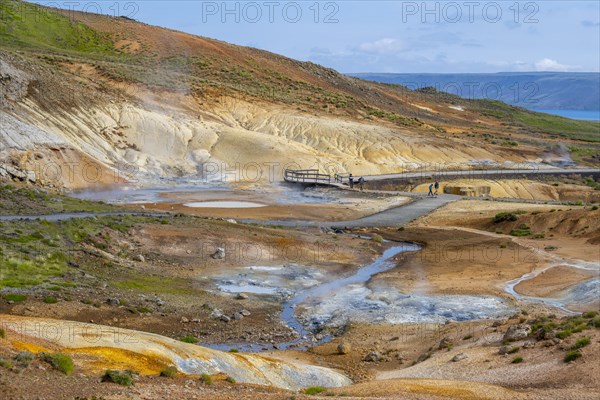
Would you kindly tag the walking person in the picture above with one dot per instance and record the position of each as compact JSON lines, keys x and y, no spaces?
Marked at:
{"x":437,"y":187}
{"x":351,"y":181}
{"x":361,"y":182}
{"x":430,"y":190}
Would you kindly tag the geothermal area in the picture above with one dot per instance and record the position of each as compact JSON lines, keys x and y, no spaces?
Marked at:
{"x":177,"y":221}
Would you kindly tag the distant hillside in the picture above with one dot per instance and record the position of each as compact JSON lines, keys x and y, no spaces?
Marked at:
{"x":533,"y":90}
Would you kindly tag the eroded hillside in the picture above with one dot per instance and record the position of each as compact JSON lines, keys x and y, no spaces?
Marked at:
{"x":106,"y":99}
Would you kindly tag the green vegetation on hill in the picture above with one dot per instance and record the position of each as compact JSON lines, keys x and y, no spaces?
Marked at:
{"x":207,"y":70}
{"x":29,"y":25}
{"x":551,"y":125}
{"x":24,"y":200}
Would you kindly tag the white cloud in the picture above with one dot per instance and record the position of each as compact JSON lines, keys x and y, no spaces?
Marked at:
{"x":551,"y":65}
{"x":386,"y":46}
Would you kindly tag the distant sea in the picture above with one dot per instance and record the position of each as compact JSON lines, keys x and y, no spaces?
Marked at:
{"x":575,"y":114}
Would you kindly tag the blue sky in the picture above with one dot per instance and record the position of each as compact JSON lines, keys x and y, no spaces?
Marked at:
{"x":390,"y":36}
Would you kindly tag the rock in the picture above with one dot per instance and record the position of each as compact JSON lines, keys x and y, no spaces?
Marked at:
{"x":503,"y":350}
{"x":225,"y":318}
{"x":344,"y":348}
{"x":241,"y":296}
{"x":556,"y":340}
{"x":160,"y":302}
{"x":374,"y":356}
{"x":237,"y":316}
{"x":184,"y":320}
{"x":459,"y":356}
{"x":139,"y":258}
{"x":219,"y":254}
{"x":231,"y":221}
{"x":188,"y":252}
{"x":528,"y":344}
{"x":113,"y":302}
{"x":498,"y":323}
{"x":245,"y":313}
{"x":445,"y":342}
{"x":517,"y":332}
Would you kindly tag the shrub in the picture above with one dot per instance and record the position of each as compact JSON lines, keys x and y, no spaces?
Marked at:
{"x":15,"y":297}
{"x":2,"y":333}
{"x":50,"y":300}
{"x":59,"y":361}
{"x":123,"y":378}
{"x":189,"y":339}
{"x":206,"y":379}
{"x":522,"y":230}
{"x":24,"y":358}
{"x":169,"y":372}
{"x":234,"y":351}
{"x":517,"y":360}
{"x":581,"y":342}
{"x":590,"y":314}
{"x":572,"y":356}
{"x":513,"y":350}
{"x":504,"y":216}
{"x":594,"y":208}
{"x":231,"y":380}
{"x":314,"y":390}
{"x":564,"y":334}
{"x":595,"y":322}
{"x":468,"y":337}
{"x":6,"y":363}
{"x":377,"y":239}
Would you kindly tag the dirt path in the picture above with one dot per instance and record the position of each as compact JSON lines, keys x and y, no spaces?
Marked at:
{"x":397,"y":216}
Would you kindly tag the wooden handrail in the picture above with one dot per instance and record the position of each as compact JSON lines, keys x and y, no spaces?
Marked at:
{"x":306,"y":175}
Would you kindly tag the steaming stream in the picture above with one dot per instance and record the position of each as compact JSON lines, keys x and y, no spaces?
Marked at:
{"x":331,"y":304}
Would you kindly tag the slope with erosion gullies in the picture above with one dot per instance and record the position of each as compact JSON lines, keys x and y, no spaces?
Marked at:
{"x":126,"y":93}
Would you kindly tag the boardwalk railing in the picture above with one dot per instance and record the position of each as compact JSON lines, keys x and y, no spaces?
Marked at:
{"x":341,"y":178}
{"x":305,"y":176}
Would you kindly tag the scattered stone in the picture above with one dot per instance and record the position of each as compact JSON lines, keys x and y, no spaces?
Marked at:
{"x":517,"y":332}
{"x":241,"y":296}
{"x":503,"y":350}
{"x":374,"y":356}
{"x":458,"y":357}
{"x":245,"y":313}
{"x":219,"y":254}
{"x":528,"y":344}
{"x":445,"y":342}
{"x":225,"y":318}
{"x":188,"y":252}
{"x":139,"y":258}
{"x":113,"y":302}
{"x":184,"y":320}
{"x":237,"y":316}
{"x":498,"y":323}
{"x":423,"y":357}
{"x":231,"y":221}
{"x":344,"y":348}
